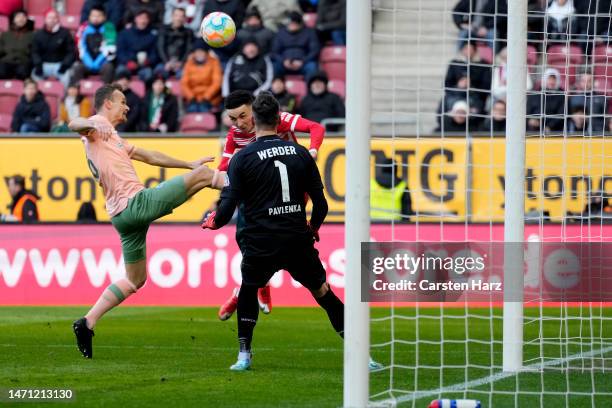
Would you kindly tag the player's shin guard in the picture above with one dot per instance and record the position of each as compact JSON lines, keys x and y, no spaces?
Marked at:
{"x":335,"y":310}
{"x":248,"y":311}
{"x":112,"y":296}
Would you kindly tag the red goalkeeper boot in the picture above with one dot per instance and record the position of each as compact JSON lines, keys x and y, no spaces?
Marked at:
{"x":265,"y":299}
{"x":229,"y":307}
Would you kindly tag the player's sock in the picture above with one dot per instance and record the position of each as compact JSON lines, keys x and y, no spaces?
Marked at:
{"x":335,"y":310}
{"x":248,"y":310}
{"x":113,"y":295}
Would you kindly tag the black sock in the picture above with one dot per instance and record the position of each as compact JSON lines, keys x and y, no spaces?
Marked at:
{"x":248,"y":310}
{"x":335,"y":310}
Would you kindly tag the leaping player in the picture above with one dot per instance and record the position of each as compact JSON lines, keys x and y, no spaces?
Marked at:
{"x":238,"y":105}
{"x":131,"y":206}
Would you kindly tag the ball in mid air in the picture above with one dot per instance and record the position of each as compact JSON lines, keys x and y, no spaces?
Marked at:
{"x":218,"y":29}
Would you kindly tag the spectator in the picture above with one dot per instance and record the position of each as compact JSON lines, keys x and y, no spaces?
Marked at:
{"x":162,"y":108}
{"x":459,"y":119}
{"x":560,"y":17}
{"x":253,"y":28}
{"x":497,"y":121}
{"x":308,"y":6}
{"x":173,"y":45}
{"x":155,"y":9}
{"x":32,"y":113}
{"x":545,"y":110}
{"x":193,"y":12}
{"x":97,"y":47}
{"x":16,"y":46}
{"x":53,"y":50}
{"x":331,"y":20}
{"x":136,"y":114}
{"x":590,"y":101}
{"x":137,"y":48}
{"x":249,"y":70}
{"x":467,"y":79}
{"x":286,"y":100}
{"x":500,"y":71}
{"x":475,"y":20}
{"x":114,"y":11}
{"x":23,"y":206}
{"x":233,"y":8}
{"x":73,"y":106}
{"x":319,"y":103}
{"x":274,"y":12}
{"x":389,"y":195}
{"x":577,"y":122}
{"x":201,"y":80}
{"x":295,"y":49}
{"x":592,"y":23}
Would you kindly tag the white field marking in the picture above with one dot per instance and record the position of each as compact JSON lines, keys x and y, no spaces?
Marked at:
{"x":392,"y":402}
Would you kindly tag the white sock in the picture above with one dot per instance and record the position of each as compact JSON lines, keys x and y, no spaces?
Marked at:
{"x":244,"y":355}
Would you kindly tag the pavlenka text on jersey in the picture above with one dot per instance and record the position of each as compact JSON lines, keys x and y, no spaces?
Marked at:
{"x":285,"y":209}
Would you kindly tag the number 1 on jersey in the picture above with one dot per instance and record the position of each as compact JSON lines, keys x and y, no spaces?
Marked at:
{"x":282,"y":169}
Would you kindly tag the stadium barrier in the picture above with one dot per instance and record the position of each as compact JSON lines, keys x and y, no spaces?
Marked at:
{"x":71,"y":264}
{"x":456,"y":178}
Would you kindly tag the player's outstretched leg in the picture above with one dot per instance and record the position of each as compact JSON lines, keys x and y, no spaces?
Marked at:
{"x":335,"y":311}
{"x":199,"y":178}
{"x":112,"y":296}
{"x":265,"y":299}
{"x":248,"y":311}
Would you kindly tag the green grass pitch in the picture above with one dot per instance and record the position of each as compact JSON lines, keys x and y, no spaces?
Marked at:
{"x":162,"y":356}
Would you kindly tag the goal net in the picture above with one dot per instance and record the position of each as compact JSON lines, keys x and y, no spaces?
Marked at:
{"x":442,"y":78}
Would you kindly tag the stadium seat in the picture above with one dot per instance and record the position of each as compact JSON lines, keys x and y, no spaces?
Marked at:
{"x":198,"y":123}
{"x":138,"y":87}
{"x":71,"y":22}
{"x":296,"y":87}
{"x":5,"y":122}
{"x":10,"y":92}
{"x":310,"y":20}
{"x":37,"y":6}
{"x":333,"y":61}
{"x":39,"y":20}
{"x":175,"y":87}
{"x":486,"y":53}
{"x":560,"y":55}
{"x":532,"y":55}
{"x":4,"y":23}
{"x":89,"y":86}
{"x":337,"y":86}
{"x":73,"y":7}
{"x":54,"y":92}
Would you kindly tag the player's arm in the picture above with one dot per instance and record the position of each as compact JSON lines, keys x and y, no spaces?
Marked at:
{"x":160,"y":159}
{"x":316,"y":131}
{"x":319,"y":202}
{"x":90,"y":129}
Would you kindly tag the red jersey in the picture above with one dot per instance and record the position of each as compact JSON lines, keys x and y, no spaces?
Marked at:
{"x":289,"y":124}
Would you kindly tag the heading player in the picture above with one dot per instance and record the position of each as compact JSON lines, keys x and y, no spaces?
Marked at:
{"x":238,"y":105}
{"x":131,"y":206}
{"x":268,"y":180}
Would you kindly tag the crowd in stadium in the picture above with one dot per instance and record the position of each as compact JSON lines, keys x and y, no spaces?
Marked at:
{"x":54,"y":54}
{"x":568,"y":82}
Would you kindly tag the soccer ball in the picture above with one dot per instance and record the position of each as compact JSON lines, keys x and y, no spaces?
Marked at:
{"x":218,"y":29}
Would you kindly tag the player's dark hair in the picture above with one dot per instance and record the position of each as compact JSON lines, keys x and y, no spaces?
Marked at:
{"x":97,"y":7}
{"x":103,"y":93}
{"x":19,"y":180}
{"x":238,"y":98}
{"x":266,"y":110}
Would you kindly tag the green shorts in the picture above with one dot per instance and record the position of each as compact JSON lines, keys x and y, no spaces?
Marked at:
{"x":144,"y":208}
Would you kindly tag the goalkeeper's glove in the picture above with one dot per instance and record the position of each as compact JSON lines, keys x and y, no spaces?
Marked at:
{"x":209,"y":221}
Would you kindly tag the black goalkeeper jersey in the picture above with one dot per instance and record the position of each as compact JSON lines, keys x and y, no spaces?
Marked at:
{"x":269,"y":181}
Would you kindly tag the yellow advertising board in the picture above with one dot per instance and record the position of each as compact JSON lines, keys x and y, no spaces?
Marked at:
{"x":56,"y":169}
{"x":559,"y":174}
